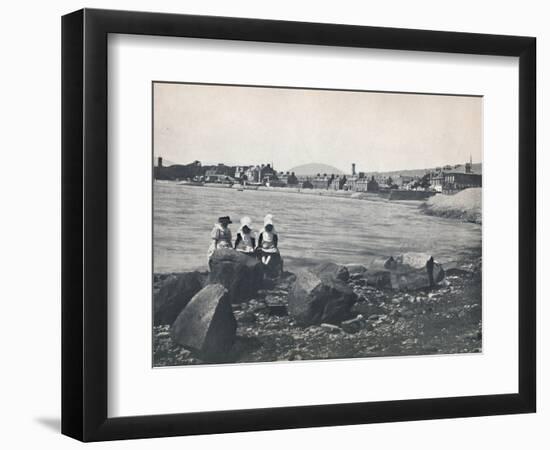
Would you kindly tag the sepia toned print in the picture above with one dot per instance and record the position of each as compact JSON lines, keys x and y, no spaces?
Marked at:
{"x":305,"y":224}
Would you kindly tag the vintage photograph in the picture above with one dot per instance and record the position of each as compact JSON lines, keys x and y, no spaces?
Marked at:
{"x":308,"y":224}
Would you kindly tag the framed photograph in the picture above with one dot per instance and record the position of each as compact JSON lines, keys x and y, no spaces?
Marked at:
{"x":272,"y":224}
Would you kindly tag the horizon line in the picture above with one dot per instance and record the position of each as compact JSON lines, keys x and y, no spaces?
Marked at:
{"x":345,"y":172}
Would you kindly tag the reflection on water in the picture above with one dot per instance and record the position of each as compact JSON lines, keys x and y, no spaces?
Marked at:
{"x":311,"y":228}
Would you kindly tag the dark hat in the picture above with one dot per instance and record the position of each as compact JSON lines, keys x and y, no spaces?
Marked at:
{"x":224,"y":219}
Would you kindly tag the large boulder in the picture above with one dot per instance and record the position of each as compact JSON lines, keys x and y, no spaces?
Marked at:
{"x":207,"y":325}
{"x":320,"y":296}
{"x":380,"y":279}
{"x":174,"y":295}
{"x":242,"y":275}
{"x":356,"y":270}
{"x":412,"y":271}
{"x":331,"y":270}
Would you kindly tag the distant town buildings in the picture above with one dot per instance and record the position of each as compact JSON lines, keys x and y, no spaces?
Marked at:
{"x":447,"y":179}
{"x":455,"y":181}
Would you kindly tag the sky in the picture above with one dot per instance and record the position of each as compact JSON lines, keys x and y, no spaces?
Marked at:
{"x":239,"y":125}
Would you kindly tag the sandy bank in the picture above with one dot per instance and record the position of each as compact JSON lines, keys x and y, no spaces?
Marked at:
{"x":465,"y":205}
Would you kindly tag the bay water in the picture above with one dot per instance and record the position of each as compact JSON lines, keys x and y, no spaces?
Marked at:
{"x":311,"y":228}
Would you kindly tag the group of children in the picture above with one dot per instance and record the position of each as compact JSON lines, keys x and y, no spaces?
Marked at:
{"x":265,"y":248}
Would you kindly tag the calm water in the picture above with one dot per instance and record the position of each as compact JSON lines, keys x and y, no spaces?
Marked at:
{"x":311,"y":228}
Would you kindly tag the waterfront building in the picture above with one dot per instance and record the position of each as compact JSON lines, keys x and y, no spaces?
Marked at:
{"x":240,"y":172}
{"x":456,"y":181}
{"x":450,"y":181}
{"x":337,"y":182}
{"x":252,"y":174}
{"x":373,"y":185}
{"x":263,"y":173}
{"x":403,"y":181}
{"x":321,"y":181}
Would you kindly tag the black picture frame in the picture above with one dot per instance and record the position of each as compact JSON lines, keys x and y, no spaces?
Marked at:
{"x":84,"y":224}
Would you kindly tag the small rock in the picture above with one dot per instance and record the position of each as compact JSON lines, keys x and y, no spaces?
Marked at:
{"x":353,"y":325}
{"x":356,"y":269}
{"x":294,"y":355}
{"x":248,"y":318}
{"x":184,"y":353}
{"x":279,"y":310}
{"x":395,"y":313}
{"x":330,"y":328}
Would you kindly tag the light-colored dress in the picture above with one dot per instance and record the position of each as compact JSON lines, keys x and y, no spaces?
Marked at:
{"x":221,"y":238}
{"x":268,"y":241}
{"x":246,"y":244}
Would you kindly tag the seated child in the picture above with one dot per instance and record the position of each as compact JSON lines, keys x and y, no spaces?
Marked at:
{"x":245,"y":242}
{"x":220,"y":235}
{"x":268,"y":241}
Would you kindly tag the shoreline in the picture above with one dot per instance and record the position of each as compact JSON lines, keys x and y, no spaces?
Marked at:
{"x":445,"y":319}
{"x":462,"y":206}
{"x":375,"y":196}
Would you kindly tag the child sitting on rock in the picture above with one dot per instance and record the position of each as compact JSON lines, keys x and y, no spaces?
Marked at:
{"x":268,"y":241}
{"x":220,"y":235}
{"x":245,"y":242}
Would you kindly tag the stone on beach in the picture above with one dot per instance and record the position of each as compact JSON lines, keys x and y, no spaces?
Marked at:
{"x":416,"y":279}
{"x":174,"y":295}
{"x":331,"y":270}
{"x":320,"y":296}
{"x":330,"y":328}
{"x":356,"y":269}
{"x":240,"y":274}
{"x":207,"y":325}
{"x":409,"y":271}
{"x":353,"y":325}
{"x":380,"y":279}
{"x":412,"y":271}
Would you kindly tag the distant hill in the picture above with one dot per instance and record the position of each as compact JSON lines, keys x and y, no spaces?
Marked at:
{"x":313,"y":169}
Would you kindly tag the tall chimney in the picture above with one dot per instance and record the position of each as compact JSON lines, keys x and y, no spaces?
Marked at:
{"x":353,"y":169}
{"x":160,"y":161}
{"x":468,"y":166}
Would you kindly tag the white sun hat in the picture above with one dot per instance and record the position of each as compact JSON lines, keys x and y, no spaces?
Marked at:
{"x":268,"y":219}
{"x":246,"y":221}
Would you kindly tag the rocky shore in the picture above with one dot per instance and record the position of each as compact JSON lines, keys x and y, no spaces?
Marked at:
{"x":235,"y":315}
